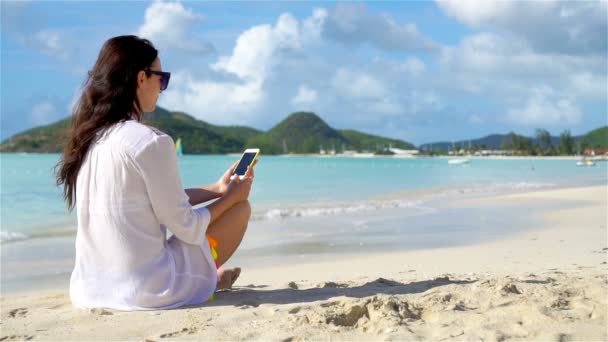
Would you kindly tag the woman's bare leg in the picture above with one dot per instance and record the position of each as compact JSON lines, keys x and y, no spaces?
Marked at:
{"x":228,"y":230}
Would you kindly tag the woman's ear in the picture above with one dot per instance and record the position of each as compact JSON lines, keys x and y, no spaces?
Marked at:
{"x":141,"y":76}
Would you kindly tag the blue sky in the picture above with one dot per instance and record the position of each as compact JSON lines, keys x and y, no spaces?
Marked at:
{"x":418,"y":71}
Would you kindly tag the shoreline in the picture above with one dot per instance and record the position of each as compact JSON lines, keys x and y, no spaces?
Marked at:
{"x":549,"y":283}
{"x":69,"y":230}
{"x":592,"y":211}
{"x":10,"y":237}
{"x":408,"y":156}
{"x":439,"y":199}
{"x":371,"y":155}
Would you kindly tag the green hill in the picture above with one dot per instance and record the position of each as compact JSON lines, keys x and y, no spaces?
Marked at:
{"x":43,"y":139}
{"x":197,"y":136}
{"x":300,"y":132}
{"x":305,"y":132}
{"x":598,"y":138}
{"x":367,"y":142}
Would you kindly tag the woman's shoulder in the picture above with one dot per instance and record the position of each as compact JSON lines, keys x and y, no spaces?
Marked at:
{"x":137,"y":136}
{"x":136,"y":128}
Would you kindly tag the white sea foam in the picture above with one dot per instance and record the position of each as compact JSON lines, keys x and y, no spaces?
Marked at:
{"x":350,"y":208}
{"x":12,"y":236}
{"x":281,"y":213}
{"x":417,"y":206}
{"x":8,"y":236}
{"x":496,"y":188}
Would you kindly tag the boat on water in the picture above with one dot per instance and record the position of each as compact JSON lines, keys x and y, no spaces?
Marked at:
{"x":178,"y":147}
{"x":585,"y":162}
{"x":459,"y":161}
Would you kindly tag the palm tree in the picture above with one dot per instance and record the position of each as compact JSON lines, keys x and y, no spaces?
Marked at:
{"x":566,"y":143}
{"x":544,"y":137}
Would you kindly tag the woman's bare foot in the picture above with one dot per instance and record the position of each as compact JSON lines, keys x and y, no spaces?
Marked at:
{"x":227,"y":277}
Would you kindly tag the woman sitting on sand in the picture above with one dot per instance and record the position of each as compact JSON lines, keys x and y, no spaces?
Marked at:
{"x":122,"y":177}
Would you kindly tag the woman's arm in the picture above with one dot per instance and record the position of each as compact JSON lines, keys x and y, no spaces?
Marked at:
{"x":211,"y":191}
{"x":203,"y":194}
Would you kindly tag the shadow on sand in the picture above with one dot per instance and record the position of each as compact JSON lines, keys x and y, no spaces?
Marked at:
{"x":250,"y":296}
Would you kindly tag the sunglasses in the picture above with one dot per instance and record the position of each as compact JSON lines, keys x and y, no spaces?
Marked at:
{"x":164,"y":77}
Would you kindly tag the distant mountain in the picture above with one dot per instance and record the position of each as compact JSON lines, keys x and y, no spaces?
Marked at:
{"x":596,"y":138}
{"x":298,"y":133}
{"x":43,"y":139}
{"x":367,"y":142}
{"x":305,"y":132}
{"x":489,"y":142}
{"x":199,"y":136}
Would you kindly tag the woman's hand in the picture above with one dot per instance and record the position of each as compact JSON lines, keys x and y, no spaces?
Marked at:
{"x":222,"y":183}
{"x":238,"y":189}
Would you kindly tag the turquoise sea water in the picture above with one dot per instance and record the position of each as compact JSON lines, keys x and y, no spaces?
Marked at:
{"x":32,"y":206}
{"x":304,"y":208}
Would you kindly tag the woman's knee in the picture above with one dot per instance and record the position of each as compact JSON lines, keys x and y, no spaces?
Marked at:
{"x":244,"y":210}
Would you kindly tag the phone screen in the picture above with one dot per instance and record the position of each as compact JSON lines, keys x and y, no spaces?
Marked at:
{"x":244,"y":163}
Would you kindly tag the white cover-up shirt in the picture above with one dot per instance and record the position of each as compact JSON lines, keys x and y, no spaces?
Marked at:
{"x":128,"y":192}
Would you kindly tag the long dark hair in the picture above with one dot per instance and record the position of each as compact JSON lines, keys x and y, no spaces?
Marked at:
{"x":108,"y":96}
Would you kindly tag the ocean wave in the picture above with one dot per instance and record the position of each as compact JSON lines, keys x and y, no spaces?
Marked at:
{"x":496,"y":188}
{"x":282,"y":213}
{"x":12,"y":236}
{"x":350,"y":208}
{"x":327,"y":209}
{"x":9,"y":237}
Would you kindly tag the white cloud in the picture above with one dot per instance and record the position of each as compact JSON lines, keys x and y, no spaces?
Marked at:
{"x":476,"y":119}
{"x":251,"y":56}
{"x":475,"y":13}
{"x":357,"y":84}
{"x":484,"y":62}
{"x":589,"y":85}
{"x":423,"y":102}
{"x":312,"y":27}
{"x":22,"y":23}
{"x":257,"y":51}
{"x":541,"y":89}
{"x":17,"y":21}
{"x":49,"y":42}
{"x":305,"y":96}
{"x":43,"y":113}
{"x":571,"y":27}
{"x":387,"y":106}
{"x":372,"y":94}
{"x":488,"y":53}
{"x":412,"y":66}
{"x":546,"y":108}
{"x":217,"y":102}
{"x":168,"y":25}
{"x":254,"y":83}
{"x":353,"y":24}
{"x":257,"y":48}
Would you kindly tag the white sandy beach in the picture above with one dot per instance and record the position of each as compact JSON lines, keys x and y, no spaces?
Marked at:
{"x":549,"y":284}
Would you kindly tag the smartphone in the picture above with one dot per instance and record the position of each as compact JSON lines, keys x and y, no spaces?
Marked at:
{"x":249,"y":157}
